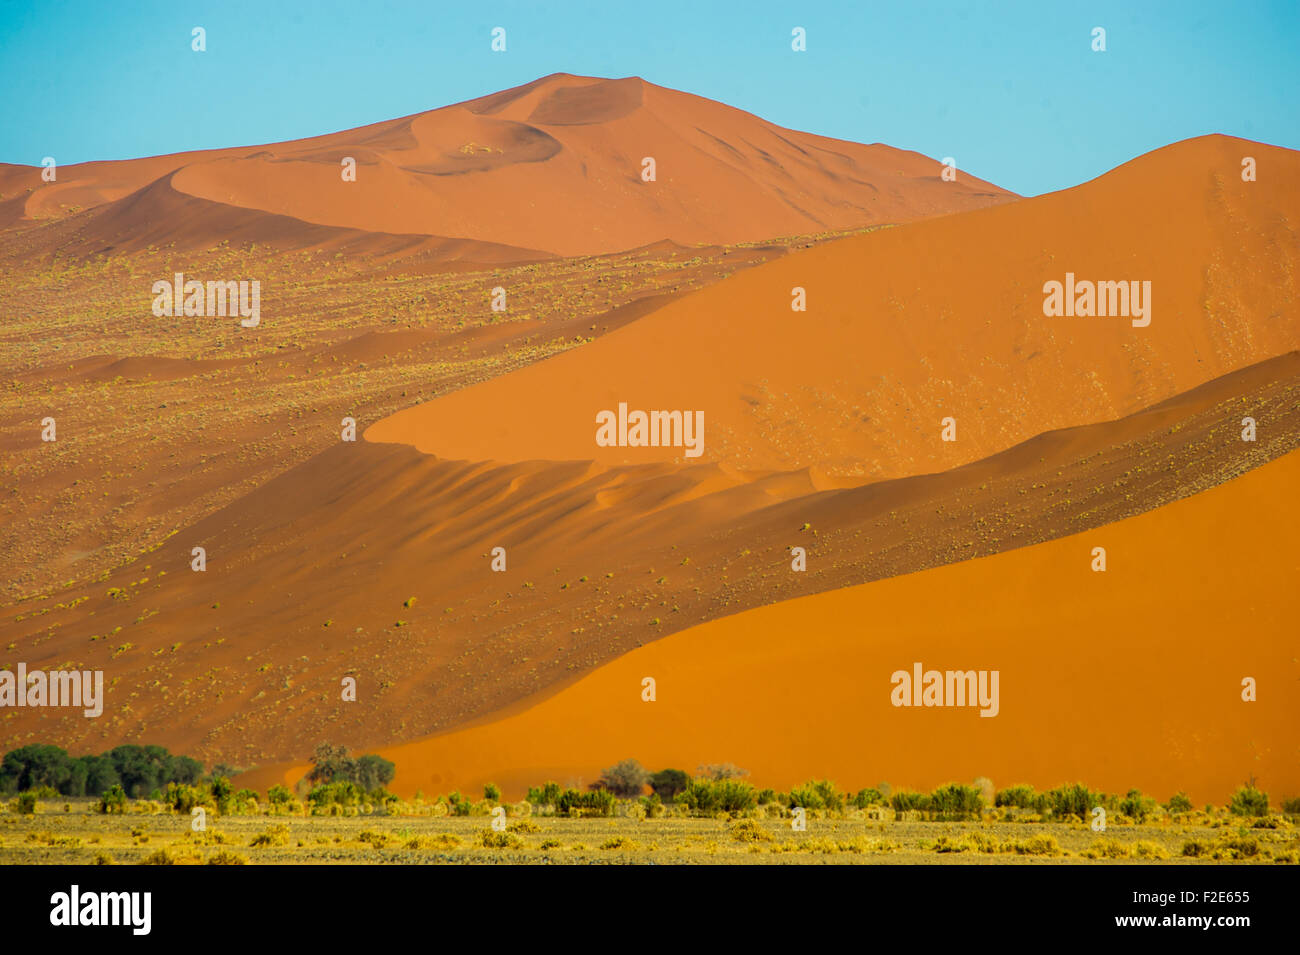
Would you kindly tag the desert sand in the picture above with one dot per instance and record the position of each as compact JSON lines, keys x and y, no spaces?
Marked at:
{"x":1131,"y":677}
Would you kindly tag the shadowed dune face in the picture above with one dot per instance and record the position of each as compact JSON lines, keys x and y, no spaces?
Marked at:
{"x":308,"y":576}
{"x":1103,"y":676}
{"x":555,"y":166}
{"x":907,"y":326}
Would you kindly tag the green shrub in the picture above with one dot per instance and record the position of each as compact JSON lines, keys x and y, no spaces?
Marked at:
{"x":547,"y":795}
{"x":1137,"y":806}
{"x":114,"y":800}
{"x":653,"y":806}
{"x":956,"y":801}
{"x":26,"y":803}
{"x":596,"y":802}
{"x":183,"y":797}
{"x":1179,"y":802}
{"x":1249,"y":801}
{"x":1021,"y":797}
{"x":816,"y":794}
{"x":868,"y":797}
{"x":667,"y":783}
{"x":718,"y":795}
{"x":221,"y":793}
{"x":460,"y":805}
{"x":1074,"y":800}
{"x":907,"y":801}
{"x":1291,"y":806}
{"x":492,"y":792}
{"x":333,"y":794}
{"x":279,"y":795}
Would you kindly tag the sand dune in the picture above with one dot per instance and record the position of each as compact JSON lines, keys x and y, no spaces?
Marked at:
{"x":1127,"y":678}
{"x":942,"y":318}
{"x":554,"y":165}
{"x":309,"y":576}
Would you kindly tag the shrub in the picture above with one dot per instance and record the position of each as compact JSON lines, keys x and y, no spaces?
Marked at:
{"x":597,"y":802}
{"x":956,"y":801}
{"x":1038,"y":845}
{"x":491,"y":839}
{"x":333,"y":794}
{"x":459,"y":805}
{"x":1179,"y":802}
{"x":492,"y":793}
{"x":817,"y":794}
{"x":374,"y":772}
{"x":1143,"y":849}
{"x":906,"y":801}
{"x":1249,"y":801}
{"x":1074,"y":800}
{"x":221,"y":793}
{"x":277,"y":835}
{"x":718,"y":795}
{"x":114,"y":800}
{"x":279,"y":795}
{"x":226,"y":857}
{"x":1291,"y":806}
{"x":158,"y":857}
{"x":625,"y":779}
{"x":25,"y":804}
{"x":1021,"y":797}
{"x":547,"y":795}
{"x":1107,"y":849}
{"x":749,"y":830}
{"x":653,"y":806}
{"x":1137,"y":806}
{"x":667,"y":783}
{"x":868,"y":797}
{"x":183,"y":797}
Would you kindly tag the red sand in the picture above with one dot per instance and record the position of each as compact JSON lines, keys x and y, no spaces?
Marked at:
{"x":1127,"y":678}
{"x":554,"y":165}
{"x":906,"y":326}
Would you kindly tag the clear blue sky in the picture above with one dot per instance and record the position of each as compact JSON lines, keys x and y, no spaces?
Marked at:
{"x":1012,"y":90}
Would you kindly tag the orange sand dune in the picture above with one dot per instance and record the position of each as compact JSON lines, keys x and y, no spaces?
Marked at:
{"x":554,"y":165}
{"x":1127,"y":678}
{"x":939,"y":318}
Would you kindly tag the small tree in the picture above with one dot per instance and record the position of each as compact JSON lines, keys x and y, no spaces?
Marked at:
{"x":667,"y":783}
{"x":1179,"y":802}
{"x":1249,"y":801}
{"x":221,"y":793}
{"x":372,"y":772}
{"x":332,"y":764}
{"x":625,"y":779}
{"x":492,"y":792}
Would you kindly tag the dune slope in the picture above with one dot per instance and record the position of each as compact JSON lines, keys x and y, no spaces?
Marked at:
{"x":555,"y":165}
{"x":942,"y":318}
{"x":1131,"y":677}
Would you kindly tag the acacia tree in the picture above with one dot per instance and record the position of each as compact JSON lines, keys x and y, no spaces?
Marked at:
{"x":625,"y":779}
